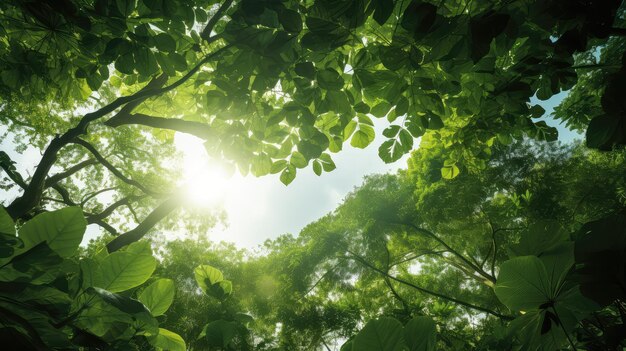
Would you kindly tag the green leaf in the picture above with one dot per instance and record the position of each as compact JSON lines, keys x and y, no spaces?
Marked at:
{"x":298,"y":160}
{"x":363,"y":137}
{"x":528,"y":282}
{"x":406,"y":139}
{"x":179,"y":62}
{"x":290,"y":20}
{"x":168,"y":340}
{"x":145,"y":61}
{"x":125,"y":63}
{"x":158,"y":296}
{"x":539,"y":237}
{"x":349,"y":129}
{"x":384,"y":334}
{"x":329,"y":79}
{"x":483,"y":29}
{"x":288,"y":175}
{"x":7,"y":226}
{"x":390,"y":151}
{"x":449,"y":171}
{"x":435,"y":122}
{"x":381,"y":109}
{"x":391,"y":131}
{"x":62,"y":229}
{"x":90,"y":273}
{"x":123,"y":303}
{"x":317,"y":167}
{"x":123,"y":270}
{"x":600,"y":132}
{"x":383,"y":10}
{"x":327,"y":162}
{"x":393,"y":57}
{"x":206,"y":276}
{"x":125,"y":7}
{"x":420,"y":334}
{"x":261,"y":165}
{"x":165,"y":42}
{"x":219,"y":333}
{"x":38,"y":265}
{"x":305,"y":69}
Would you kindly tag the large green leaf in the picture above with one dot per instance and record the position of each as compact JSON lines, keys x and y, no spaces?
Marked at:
{"x":207,"y":275}
{"x":600,"y":253}
{"x":62,"y":229}
{"x":420,"y":334}
{"x":383,"y":334}
{"x":329,"y":79}
{"x":8,"y":240}
{"x":219,"y":333}
{"x":6,"y":223}
{"x":168,"y":340}
{"x":528,"y":282}
{"x":123,"y":270}
{"x":540,"y":237}
{"x":37,"y":265}
{"x":158,"y":296}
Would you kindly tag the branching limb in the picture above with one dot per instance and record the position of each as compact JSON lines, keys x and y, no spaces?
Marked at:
{"x":54,"y":179}
{"x":65,"y":195}
{"x":426,"y":291}
{"x":106,"y":226}
{"x":90,"y":196}
{"x":221,"y":11}
{"x":201,"y":130}
{"x":148,"y":223}
{"x":7,"y":165}
{"x":126,"y":201}
{"x":34,"y":191}
{"x":452,"y":251}
{"x":113,"y":169}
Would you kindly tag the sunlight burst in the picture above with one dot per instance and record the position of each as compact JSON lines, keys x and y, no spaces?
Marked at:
{"x":206,"y":183}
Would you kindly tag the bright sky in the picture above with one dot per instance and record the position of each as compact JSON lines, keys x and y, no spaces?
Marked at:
{"x":263,"y":208}
{"x":258,"y":209}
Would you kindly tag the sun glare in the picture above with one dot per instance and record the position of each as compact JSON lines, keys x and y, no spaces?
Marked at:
{"x":205,"y":183}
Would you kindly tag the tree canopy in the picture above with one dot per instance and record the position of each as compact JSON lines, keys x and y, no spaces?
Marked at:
{"x":272,"y":87}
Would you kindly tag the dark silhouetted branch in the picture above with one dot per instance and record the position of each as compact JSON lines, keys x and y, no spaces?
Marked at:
{"x":34,"y":191}
{"x":426,"y":291}
{"x":111,"y":208}
{"x":112,"y":168}
{"x":90,"y":196}
{"x":221,"y":11}
{"x":452,"y":251}
{"x":201,"y":130}
{"x":68,"y":173}
{"x":144,"y":227}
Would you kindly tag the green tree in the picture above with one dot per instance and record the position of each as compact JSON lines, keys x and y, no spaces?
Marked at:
{"x":275,"y":86}
{"x":415,"y":244}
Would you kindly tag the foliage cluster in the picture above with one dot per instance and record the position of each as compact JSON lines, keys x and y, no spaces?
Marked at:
{"x":483,"y":243}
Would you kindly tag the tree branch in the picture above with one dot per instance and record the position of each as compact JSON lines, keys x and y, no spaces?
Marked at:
{"x":201,"y":130}
{"x":34,"y":191}
{"x":68,"y":173}
{"x":206,"y":32}
{"x":426,"y":291}
{"x":106,"y":226}
{"x":452,"y":251}
{"x":112,"y":168}
{"x":148,"y":223}
{"x":107,"y":211}
{"x":90,"y":196}
{"x":7,"y":165}
{"x":65,"y":195}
